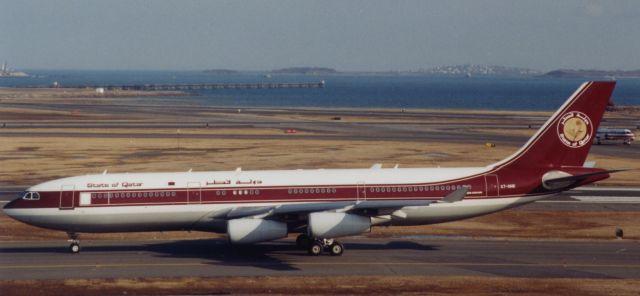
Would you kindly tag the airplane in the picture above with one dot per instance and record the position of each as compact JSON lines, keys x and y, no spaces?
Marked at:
{"x":613,"y":134}
{"x":323,"y":204}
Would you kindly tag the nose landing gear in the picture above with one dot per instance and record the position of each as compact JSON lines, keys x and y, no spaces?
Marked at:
{"x":74,"y":247}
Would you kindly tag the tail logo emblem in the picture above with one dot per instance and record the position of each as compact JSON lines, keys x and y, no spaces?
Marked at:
{"x":575,"y":129}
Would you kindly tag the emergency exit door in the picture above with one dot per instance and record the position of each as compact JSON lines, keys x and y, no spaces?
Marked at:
{"x":492,"y":185}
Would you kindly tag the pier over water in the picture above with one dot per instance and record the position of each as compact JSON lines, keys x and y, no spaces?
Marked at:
{"x":198,"y":86}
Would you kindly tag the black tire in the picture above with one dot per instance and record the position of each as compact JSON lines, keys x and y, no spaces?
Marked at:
{"x":336,"y":249}
{"x":303,"y":241}
{"x":315,"y":249}
{"x":74,"y":248}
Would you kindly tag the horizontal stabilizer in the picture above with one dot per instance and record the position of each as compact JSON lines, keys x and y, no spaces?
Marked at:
{"x":568,"y":180}
{"x":455,"y":196}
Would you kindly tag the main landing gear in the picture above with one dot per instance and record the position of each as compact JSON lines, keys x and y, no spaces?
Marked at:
{"x":74,"y":247}
{"x":316,"y":246}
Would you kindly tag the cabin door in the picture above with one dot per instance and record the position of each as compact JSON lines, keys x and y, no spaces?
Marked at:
{"x":361,"y":191}
{"x":493,"y":187}
{"x":66,"y":197}
{"x":194,"y":192}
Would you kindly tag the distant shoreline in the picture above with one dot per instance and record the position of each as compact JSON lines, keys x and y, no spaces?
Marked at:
{"x":593,"y":73}
{"x":69,"y":93}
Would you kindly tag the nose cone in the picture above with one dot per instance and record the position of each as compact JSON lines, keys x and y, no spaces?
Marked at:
{"x":9,"y":205}
{"x":9,"y":208}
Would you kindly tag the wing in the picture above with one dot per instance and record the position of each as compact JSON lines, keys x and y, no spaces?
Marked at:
{"x":360,"y":207}
{"x":364,"y":207}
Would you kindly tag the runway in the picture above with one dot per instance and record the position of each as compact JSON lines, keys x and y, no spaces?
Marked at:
{"x":363,"y":256}
{"x":414,"y":126}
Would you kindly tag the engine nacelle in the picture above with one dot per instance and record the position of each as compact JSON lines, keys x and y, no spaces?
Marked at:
{"x":248,"y":231}
{"x":330,"y":225}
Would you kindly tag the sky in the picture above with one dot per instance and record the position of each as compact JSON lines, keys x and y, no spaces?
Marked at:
{"x":369,"y":35}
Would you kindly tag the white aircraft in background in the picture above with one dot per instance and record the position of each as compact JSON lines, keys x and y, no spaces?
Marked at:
{"x":613,"y":134}
{"x":323,"y":204}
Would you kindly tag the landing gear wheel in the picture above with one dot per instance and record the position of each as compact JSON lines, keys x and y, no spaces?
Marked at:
{"x":74,"y":248}
{"x":303,"y":241}
{"x":336,"y":249}
{"x":315,"y":249}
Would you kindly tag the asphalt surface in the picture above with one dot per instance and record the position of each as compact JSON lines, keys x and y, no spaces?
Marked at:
{"x":413,"y":126}
{"x":363,"y":256}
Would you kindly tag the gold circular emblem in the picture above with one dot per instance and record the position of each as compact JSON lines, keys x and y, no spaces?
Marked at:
{"x":574,"y":129}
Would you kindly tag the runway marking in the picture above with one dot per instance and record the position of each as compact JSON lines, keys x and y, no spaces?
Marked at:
{"x":445,"y":264}
{"x":606,"y":189}
{"x":588,"y":202}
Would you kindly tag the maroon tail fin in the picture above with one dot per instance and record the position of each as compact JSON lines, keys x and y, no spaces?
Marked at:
{"x":565,"y":139}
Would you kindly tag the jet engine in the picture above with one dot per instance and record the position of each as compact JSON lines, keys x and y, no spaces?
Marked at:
{"x":330,"y":225}
{"x":248,"y":231}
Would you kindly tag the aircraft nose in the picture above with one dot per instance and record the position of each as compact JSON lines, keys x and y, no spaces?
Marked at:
{"x":9,"y":205}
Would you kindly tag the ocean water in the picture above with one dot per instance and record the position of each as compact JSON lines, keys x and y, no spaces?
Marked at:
{"x":344,"y":90}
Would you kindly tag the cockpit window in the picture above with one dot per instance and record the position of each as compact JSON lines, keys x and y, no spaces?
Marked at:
{"x":29,"y":195}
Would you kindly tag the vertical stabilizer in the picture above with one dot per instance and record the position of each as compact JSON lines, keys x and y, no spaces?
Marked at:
{"x":565,"y":139}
